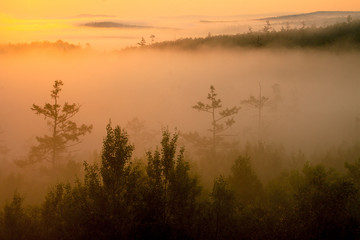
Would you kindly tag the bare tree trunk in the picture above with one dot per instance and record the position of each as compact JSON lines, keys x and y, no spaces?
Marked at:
{"x":260,"y":108}
{"x":54,"y":152}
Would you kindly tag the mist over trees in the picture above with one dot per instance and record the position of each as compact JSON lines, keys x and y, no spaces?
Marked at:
{"x":44,"y":45}
{"x":64,"y":132}
{"x":257,"y":103}
{"x":342,"y":35}
{"x":339,"y":36}
{"x":217,"y":187}
{"x":162,"y":198}
{"x":221,"y":119}
{"x":164,"y":195}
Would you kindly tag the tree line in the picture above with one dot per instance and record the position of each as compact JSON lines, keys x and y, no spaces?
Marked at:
{"x":163,"y":198}
{"x":338,"y":36}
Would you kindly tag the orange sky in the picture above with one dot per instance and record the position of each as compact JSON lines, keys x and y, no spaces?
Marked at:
{"x":37,"y":20}
{"x":136,"y":8}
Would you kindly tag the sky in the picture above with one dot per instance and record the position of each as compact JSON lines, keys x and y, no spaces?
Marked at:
{"x":38,"y":20}
{"x":147,"y":8}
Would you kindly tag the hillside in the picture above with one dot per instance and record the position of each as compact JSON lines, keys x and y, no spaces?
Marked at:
{"x":344,"y":35}
{"x":317,"y":14}
{"x":58,"y":46}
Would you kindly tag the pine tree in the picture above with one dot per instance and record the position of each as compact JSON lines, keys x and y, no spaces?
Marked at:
{"x":142,"y":42}
{"x":257,"y":103}
{"x":221,"y":119}
{"x":64,"y":132}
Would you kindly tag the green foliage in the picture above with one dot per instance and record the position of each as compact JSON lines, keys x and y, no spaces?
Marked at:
{"x":119,"y":182}
{"x":122,"y":199}
{"x":354,"y":172}
{"x":119,"y":199}
{"x":280,"y":203}
{"x":16,"y":222}
{"x":15,"y":219}
{"x":184,"y":190}
{"x":54,"y":210}
{"x":116,"y":155}
{"x":339,"y":36}
{"x":244,"y":181}
{"x":323,"y":201}
{"x":170,"y":198}
{"x":223,"y":208}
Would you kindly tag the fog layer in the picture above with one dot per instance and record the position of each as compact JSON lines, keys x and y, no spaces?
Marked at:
{"x":314,"y":96}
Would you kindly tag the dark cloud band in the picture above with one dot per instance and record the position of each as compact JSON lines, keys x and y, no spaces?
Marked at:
{"x":108,"y":24}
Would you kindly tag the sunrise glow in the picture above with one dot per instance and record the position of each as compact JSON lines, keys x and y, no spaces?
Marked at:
{"x":37,"y":20}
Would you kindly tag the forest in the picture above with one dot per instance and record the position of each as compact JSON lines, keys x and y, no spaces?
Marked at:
{"x":279,"y":162}
{"x":163,"y":198}
{"x":339,"y":36}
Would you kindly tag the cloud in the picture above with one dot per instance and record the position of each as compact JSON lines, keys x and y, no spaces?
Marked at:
{"x":108,"y":24}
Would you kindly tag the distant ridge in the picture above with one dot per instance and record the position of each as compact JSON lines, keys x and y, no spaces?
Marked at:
{"x":317,"y":13}
{"x":339,"y":36}
{"x":59,"y":46}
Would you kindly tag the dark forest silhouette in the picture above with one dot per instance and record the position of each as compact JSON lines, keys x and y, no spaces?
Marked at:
{"x":340,"y":36}
{"x":163,"y":199}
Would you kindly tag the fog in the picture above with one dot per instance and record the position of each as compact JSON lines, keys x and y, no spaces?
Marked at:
{"x":108,"y":32}
{"x":269,"y":120}
{"x":313,"y":105}
{"x":317,"y":102}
